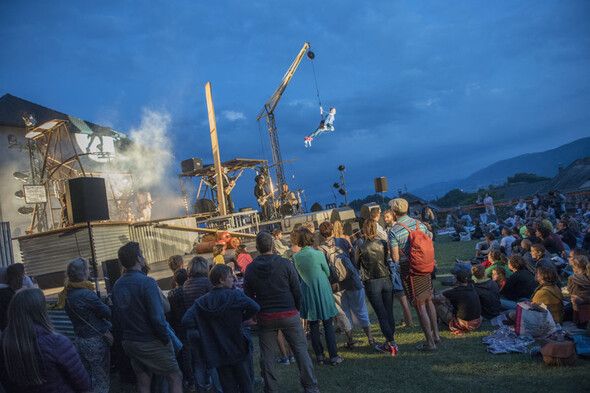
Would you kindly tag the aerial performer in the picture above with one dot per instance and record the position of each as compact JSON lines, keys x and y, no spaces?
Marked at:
{"x":325,"y":125}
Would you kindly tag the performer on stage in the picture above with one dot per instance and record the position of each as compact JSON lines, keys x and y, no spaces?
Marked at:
{"x":228,"y":186}
{"x":288,"y":197}
{"x":262,"y":198}
{"x":144,"y":202}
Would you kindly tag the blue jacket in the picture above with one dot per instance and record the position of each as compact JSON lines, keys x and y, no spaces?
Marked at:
{"x":218,"y":316}
{"x":83,"y":303}
{"x":62,"y":369}
{"x":138,"y":314}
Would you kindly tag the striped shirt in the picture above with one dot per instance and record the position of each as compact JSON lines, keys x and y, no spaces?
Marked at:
{"x":398,"y":235}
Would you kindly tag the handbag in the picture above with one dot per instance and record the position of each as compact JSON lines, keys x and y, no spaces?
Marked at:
{"x":107,"y":336}
{"x":559,"y":353}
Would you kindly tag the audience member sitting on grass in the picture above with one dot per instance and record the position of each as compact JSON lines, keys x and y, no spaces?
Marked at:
{"x":549,"y":293}
{"x":459,"y":307}
{"x":496,"y":258}
{"x":566,"y":234}
{"x":540,"y":256}
{"x":578,"y":286}
{"x":488,"y":292}
{"x":519,"y":286}
{"x":507,"y":240}
{"x":483,"y":248}
{"x":550,"y":240}
{"x":499,"y":276}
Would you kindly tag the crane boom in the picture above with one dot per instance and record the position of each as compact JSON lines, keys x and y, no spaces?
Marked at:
{"x":268,"y":111}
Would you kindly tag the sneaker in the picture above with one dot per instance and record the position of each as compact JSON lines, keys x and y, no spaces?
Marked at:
{"x":292,"y":359}
{"x":284,"y":361}
{"x":387,"y":348}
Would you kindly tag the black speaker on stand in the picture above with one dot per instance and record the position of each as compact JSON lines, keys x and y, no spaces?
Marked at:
{"x":381,"y":186}
{"x":86,"y":201}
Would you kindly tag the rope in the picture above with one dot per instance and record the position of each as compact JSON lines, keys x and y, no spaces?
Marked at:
{"x":262,"y":150}
{"x":316,"y":84}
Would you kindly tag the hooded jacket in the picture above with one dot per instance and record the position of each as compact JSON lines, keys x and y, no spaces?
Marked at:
{"x":274,"y":283}
{"x":218,"y":317}
{"x":489,"y":298}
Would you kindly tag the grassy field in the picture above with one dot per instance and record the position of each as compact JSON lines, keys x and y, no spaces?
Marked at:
{"x":460,"y":363}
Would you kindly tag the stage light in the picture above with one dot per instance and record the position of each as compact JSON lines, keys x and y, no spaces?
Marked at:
{"x":336,"y":185}
{"x":30,"y":121}
{"x":342,"y":192}
{"x":19,"y":194}
{"x":42,"y":128}
{"x":310,"y":55}
{"x":341,"y":168}
{"x":20,"y":176}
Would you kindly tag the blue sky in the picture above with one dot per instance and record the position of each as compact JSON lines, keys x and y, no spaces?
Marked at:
{"x":425,"y":91}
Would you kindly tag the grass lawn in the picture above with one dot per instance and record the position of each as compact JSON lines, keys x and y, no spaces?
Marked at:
{"x":460,"y":364}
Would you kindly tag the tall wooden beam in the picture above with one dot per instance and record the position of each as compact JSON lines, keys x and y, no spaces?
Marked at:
{"x":215,"y":147}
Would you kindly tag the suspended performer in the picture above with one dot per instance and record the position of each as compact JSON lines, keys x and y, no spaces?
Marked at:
{"x":325,"y":125}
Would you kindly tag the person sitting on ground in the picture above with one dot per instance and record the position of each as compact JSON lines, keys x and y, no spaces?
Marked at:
{"x":507,"y":240}
{"x":496,"y":259}
{"x":511,"y":220}
{"x":549,"y":293}
{"x":578,"y":286}
{"x":530,"y":234}
{"x":566,"y":234}
{"x":243,"y":258}
{"x":550,"y":240}
{"x":540,"y":256}
{"x":218,"y":316}
{"x":499,"y":276}
{"x":33,"y":357}
{"x":488,"y":292}
{"x":278,"y":245}
{"x":519,"y":286}
{"x":482,"y":249}
{"x":89,"y":316}
{"x":520,"y":208}
{"x":459,"y":307}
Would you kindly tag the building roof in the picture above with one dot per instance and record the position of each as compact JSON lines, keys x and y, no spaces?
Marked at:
{"x":12,"y":110}
{"x":416,"y":200}
{"x":574,"y":177}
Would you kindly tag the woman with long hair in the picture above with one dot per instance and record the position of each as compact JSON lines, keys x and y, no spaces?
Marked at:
{"x":34,"y":358}
{"x":317,"y":299}
{"x":89,"y":317}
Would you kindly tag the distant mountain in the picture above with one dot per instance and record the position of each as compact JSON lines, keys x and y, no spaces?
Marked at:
{"x":543,"y":164}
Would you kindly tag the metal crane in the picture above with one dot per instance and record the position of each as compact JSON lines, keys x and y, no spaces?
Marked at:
{"x":268,"y":111}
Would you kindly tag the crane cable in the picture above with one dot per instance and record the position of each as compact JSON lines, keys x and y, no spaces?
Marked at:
{"x":317,"y":89}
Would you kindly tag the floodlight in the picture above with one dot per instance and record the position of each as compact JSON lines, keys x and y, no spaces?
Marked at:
{"x":26,"y":210}
{"x":336,"y":185}
{"x":12,"y":141}
{"x":341,"y":168}
{"x":20,"y":176}
{"x":342,"y":192}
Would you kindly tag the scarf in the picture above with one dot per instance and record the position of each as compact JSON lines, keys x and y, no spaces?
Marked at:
{"x":579,"y":284}
{"x":62,"y":296}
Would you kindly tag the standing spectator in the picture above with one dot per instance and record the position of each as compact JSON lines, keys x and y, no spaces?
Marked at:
{"x":459,"y":306}
{"x":371,"y":259}
{"x":34,"y":358}
{"x":14,"y":280}
{"x":375,"y":216}
{"x":488,"y":202}
{"x":488,"y":292}
{"x":139,"y":320}
{"x":418,"y":288}
{"x":349,"y":294}
{"x":174,"y":317}
{"x":218,"y":316}
{"x":198,"y":282}
{"x":273,"y":283}
{"x":318,"y":302}
{"x":89,"y":317}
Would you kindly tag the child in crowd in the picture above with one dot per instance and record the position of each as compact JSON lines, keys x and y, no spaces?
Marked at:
{"x":218,"y":253}
{"x":499,"y":276}
{"x":243,"y":257}
{"x":279,"y":247}
{"x":218,"y":316}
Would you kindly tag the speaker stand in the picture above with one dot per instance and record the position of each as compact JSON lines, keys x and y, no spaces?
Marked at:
{"x":93,"y":260}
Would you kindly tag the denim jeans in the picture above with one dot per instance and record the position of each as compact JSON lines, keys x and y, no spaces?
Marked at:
{"x":380,"y":294}
{"x":204,"y":376}
{"x":316,"y":340}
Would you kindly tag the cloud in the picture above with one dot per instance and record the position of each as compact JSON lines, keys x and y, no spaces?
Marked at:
{"x":233,"y":115}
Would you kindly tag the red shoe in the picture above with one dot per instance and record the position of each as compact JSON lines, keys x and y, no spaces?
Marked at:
{"x":387,"y":348}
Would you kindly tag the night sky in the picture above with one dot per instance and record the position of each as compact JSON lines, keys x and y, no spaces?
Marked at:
{"x":425,"y":91}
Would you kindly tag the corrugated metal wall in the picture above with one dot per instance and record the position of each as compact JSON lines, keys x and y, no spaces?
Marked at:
{"x":6,"y":255}
{"x":50,"y":252}
{"x":158,"y":244}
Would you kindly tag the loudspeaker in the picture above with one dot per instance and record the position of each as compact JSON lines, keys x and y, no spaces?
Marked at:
{"x":111,"y":270}
{"x":204,"y":206}
{"x":192,"y":164}
{"x":380,"y":184}
{"x":342,"y":214}
{"x":365,"y":212}
{"x":86,"y":199}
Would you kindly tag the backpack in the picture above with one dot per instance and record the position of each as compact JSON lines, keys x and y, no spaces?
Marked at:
{"x":421,"y":256}
{"x":338,"y":262}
